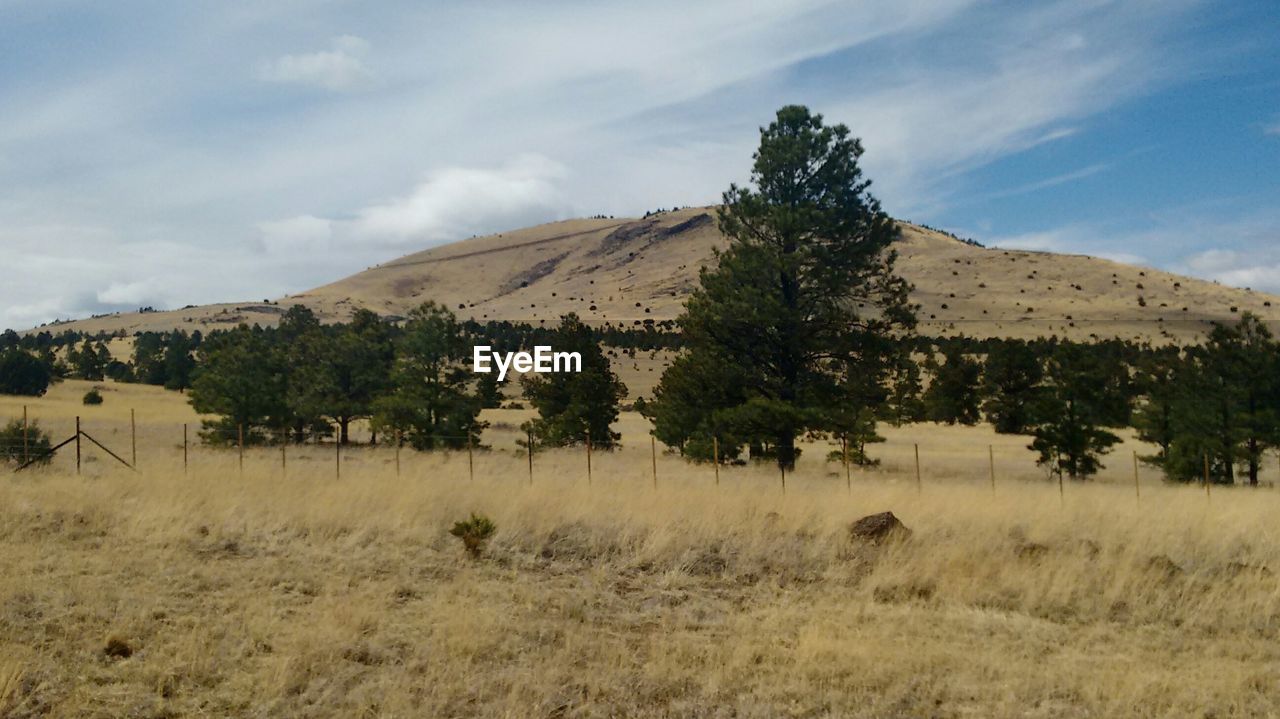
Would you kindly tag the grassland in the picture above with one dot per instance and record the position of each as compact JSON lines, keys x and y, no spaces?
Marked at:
{"x":278,"y":594}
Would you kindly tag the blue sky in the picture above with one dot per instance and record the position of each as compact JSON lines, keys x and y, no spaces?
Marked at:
{"x":172,"y":153}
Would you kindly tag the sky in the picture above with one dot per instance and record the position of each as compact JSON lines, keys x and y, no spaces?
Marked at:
{"x":164,"y":154}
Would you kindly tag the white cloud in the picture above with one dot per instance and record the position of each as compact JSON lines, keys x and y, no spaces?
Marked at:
{"x":1258,"y":268}
{"x":127,"y":293}
{"x":340,"y":68}
{"x":455,"y":202}
{"x":296,"y":234}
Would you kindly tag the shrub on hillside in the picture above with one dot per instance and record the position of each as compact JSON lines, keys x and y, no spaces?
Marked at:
{"x":93,"y":396}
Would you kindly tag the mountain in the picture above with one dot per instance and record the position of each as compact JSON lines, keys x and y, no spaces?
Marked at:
{"x":631,"y":270}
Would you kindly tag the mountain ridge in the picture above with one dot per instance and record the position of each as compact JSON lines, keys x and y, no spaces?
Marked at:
{"x":629,"y":270}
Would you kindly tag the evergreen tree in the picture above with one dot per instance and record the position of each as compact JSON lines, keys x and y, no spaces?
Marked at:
{"x":90,"y":361}
{"x":1159,"y":378}
{"x":429,"y":402}
{"x":793,"y":308}
{"x":953,"y":394}
{"x":338,"y":371}
{"x":22,"y":374}
{"x":178,"y":361}
{"x":1227,"y":411}
{"x":1010,"y":381}
{"x":904,"y":403}
{"x":572,"y":404}
{"x":242,"y":380}
{"x":1069,"y":422}
{"x":489,"y":390}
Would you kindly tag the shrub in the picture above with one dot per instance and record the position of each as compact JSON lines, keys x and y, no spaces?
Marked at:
{"x":93,"y":396}
{"x":474,"y":533}
{"x":11,"y":443}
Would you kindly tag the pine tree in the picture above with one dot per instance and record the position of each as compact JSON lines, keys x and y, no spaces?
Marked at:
{"x":1159,"y":378}
{"x":1010,"y":381}
{"x":794,"y":307}
{"x":953,"y":394}
{"x":1227,"y":410}
{"x":23,"y":374}
{"x":430,"y":403}
{"x":241,"y":379}
{"x":1069,"y":421}
{"x":572,"y":404}
{"x":904,"y":403}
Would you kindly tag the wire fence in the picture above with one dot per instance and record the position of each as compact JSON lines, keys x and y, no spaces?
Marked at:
{"x":123,"y":441}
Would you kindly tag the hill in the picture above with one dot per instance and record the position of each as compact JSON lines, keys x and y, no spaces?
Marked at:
{"x":626,"y":271}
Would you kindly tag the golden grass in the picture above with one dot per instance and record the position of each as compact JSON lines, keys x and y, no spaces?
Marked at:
{"x":266,"y":594}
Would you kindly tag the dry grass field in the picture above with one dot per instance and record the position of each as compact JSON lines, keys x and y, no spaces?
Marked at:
{"x":216,"y":592}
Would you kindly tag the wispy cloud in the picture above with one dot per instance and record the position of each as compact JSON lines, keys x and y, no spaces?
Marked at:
{"x":339,"y":68}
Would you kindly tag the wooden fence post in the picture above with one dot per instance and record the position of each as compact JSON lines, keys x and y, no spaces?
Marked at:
{"x":184,"y":447}
{"x":783,"y":468}
{"x":588,"y":457}
{"x":26,"y":454}
{"x":240,"y":446}
{"x":529,"y":447}
{"x":77,"y":445}
{"x":991,"y":462}
{"x":337,"y":452}
{"x":133,"y":437}
{"x":715,"y":456}
{"x":284,"y":450}
{"x":471,"y":463}
{"x":397,"y":441}
{"x":844,"y":451}
{"x":1206,"y":475}
{"x":919,"y":482}
{"x":1137,"y":490}
{"x":653,"y":455}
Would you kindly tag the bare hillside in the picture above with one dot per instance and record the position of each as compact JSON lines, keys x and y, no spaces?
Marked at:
{"x":629,"y":270}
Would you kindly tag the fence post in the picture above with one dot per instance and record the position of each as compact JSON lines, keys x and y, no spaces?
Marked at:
{"x":184,"y":447}
{"x":1137,"y":491}
{"x":397,"y":441}
{"x":77,"y":445}
{"x":588,"y":457}
{"x":1206,"y":475}
{"x":991,"y":462}
{"x":1062,"y":496}
{"x":844,"y":452}
{"x":471,"y":464}
{"x":529,"y":447}
{"x":919,"y":482}
{"x":337,"y":452}
{"x":715,"y":456}
{"x":240,"y":446}
{"x":783,"y":468}
{"x":25,"y":452}
{"x":133,"y":437}
{"x":653,"y":455}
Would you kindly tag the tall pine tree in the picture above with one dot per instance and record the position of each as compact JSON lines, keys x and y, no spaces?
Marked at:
{"x":792,"y":310}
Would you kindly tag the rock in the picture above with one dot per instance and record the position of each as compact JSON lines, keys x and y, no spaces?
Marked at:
{"x":878,"y":528}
